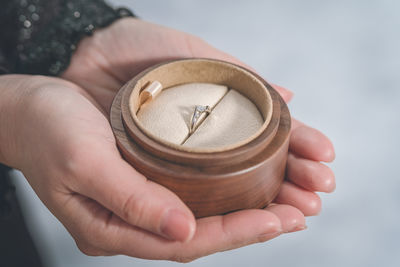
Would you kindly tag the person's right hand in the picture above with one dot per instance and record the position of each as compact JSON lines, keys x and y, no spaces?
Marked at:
{"x":55,"y":133}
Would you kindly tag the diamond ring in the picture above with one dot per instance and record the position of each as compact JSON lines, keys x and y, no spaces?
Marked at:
{"x":196,"y":115}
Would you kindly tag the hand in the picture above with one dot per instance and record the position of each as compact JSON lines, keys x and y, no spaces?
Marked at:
{"x":65,"y":148}
{"x":101,"y":65}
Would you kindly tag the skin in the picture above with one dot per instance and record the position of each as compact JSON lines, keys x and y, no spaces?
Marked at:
{"x":64,"y":145}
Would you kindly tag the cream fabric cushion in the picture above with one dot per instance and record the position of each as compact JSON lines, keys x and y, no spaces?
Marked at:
{"x":168,"y":115}
{"x":234,"y":117}
{"x":232,"y":121}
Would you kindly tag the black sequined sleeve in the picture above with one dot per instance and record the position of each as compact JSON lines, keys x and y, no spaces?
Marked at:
{"x":39,"y":36}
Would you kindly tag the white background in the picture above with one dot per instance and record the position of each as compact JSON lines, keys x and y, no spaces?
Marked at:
{"x":342,"y":60}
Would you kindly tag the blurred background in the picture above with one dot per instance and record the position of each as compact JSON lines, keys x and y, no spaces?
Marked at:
{"x":342,"y":60}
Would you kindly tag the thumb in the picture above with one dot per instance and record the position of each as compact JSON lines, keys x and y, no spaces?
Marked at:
{"x":117,"y":186}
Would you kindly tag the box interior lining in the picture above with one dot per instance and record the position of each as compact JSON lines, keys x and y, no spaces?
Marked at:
{"x":205,"y":71}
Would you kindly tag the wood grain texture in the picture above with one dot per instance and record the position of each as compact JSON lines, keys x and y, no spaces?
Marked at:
{"x":246,"y":177}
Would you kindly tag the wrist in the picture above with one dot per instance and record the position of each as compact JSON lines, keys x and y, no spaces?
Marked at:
{"x":15,"y":92}
{"x":10,"y":96}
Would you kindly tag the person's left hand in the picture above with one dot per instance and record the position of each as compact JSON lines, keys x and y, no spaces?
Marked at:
{"x":112,"y":56}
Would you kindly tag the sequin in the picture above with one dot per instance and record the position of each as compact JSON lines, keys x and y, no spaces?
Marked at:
{"x":23,"y":3}
{"x":31,"y":8}
{"x":27,"y":24}
{"x":89,"y":29}
{"x":48,"y":32}
{"x":22,"y":18}
{"x":35,"y":17}
{"x":26,"y":33}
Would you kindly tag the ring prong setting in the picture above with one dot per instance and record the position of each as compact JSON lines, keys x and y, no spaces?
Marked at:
{"x":198,"y":110}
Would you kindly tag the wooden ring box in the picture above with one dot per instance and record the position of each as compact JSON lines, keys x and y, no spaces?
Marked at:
{"x":209,"y":181}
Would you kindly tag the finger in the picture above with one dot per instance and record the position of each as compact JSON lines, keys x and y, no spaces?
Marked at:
{"x":214,"y":234}
{"x":90,"y":81}
{"x":296,"y":124}
{"x":234,"y":230}
{"x":285,"y":93}
{"x":97,"y":232}
{"x":291,"y":218}
{"x":200,"y":48}
{"x":307,"y":202}
{"x":311,"y":175}
{"x":310,"y":143}
{"x":117,"y":186}
{"x":83,"y":218}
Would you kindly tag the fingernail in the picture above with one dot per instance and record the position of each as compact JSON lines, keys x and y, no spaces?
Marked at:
{"x":298,"y":228}
{"x":267,"y":236}
{"x":332,"y":187}
{"x":289,"y":96}
{"x":329,"y":155}
{"x":177,"y":226}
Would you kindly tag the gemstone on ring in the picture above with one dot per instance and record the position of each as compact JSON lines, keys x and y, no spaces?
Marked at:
{"x":196,"y":115}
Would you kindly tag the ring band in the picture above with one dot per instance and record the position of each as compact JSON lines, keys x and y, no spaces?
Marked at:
{"x":198,"y":110}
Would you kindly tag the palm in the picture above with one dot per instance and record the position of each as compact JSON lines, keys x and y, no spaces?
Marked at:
{"x":79,"y":145}
{"x":82,"y":199}
{"x":101,"y":66}
{"x":73,"y":130}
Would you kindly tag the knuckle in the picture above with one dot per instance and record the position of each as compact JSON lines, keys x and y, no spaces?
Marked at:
{"x":182,"y":254}
{"x":88,"y":249}
{"x":85,"y":241}
{"x":133,"y":209}
{"x":77,"y":162}
{"x":181,"y":259}
{"x":74,"y":162}
{"x":92,"y":242}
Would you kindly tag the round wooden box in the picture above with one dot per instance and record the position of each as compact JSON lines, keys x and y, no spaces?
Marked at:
{"x":210,"y":181}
